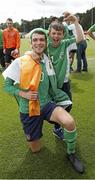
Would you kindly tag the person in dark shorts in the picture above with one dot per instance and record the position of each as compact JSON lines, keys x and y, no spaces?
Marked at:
{"x":11,"y":42}
{"x":31,"y":79}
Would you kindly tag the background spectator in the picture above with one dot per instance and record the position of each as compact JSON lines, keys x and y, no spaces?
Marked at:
{"x":11,"y":42}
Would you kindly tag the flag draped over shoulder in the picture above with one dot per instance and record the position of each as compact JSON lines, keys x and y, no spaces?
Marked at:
{"x":30,"y":74}
{"x":27,"y":73}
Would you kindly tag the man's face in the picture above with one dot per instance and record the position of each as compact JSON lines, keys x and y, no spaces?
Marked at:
{"x":9,"y":24}
{"x":56,"y":36}
{"x":38,"y":43}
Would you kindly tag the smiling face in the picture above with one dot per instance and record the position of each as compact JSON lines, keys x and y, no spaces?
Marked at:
{"x":56,"y":36}
{"x":38,"y":43}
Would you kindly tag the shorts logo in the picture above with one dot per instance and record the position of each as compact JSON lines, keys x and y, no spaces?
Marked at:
{"x":28,"y":137}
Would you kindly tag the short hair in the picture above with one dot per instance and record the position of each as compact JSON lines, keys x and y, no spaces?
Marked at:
{"x":54,"y":18}
{"x":9,"y":19}
{"x":38,"y":31}
{"x":57,"y":26}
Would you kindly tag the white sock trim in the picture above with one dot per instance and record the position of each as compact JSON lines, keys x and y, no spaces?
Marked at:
{"x":70,"y":131}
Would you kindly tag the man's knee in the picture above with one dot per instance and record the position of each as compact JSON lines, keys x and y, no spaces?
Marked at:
{"x":35,"y":146}
{"x":62,"y":117}
{"x":70,"y":124}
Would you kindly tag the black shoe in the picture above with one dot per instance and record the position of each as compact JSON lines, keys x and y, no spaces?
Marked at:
{"x":59,"y":133}
{"x":71,"y":69}
{"x":85,"y":70}
{"x":77,"y":71}
{"x":77,"y":164}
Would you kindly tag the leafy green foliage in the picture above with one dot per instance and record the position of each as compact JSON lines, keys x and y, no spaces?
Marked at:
{"x":86,"y":19}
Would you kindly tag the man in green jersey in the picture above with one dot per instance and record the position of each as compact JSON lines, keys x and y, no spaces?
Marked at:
{"x":58,"y":53}
{"x":31,"y":79}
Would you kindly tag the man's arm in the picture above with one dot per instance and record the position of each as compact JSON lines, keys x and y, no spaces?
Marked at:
{"x":10,"y":88}
{"x":91,"y":34}
{"x":91,"y":31}
{"x":15,"y":91}
{"x":79,"y":31}
{"x":17,"y":40}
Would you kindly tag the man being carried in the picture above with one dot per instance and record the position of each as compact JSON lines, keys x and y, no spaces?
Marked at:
{"x":58,"y":53}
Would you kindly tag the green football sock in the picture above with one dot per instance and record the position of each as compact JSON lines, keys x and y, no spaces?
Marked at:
{"x":70,"y":137}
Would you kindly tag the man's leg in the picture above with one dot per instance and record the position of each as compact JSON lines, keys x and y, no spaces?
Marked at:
{"x":65,"y":119}
{"x":57,"y":130}
{"x":32,"y":127}
{"x":35,"y":146}
{"x":8,"y":57}
{"x":84,"y":59}
{"x":79,"y":52}
{"x":2,"y":61}
{"x":71,"y":56}
{"x":67,"y":89}
{"x":7,"y":60}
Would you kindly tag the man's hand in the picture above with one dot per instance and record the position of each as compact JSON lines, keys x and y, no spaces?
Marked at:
{"x":66,"y":14}
{"x":30,"y":95}
{"x":15,"y":53}
{"x":69,"y":17}
{"x":4,"y":51}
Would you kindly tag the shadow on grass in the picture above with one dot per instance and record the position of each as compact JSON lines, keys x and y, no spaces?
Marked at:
{"x":46,"y":165}
{"x":76,"y":88}
{"x":84,"y":76}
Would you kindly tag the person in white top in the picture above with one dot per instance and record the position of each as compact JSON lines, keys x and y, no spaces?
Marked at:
{"x":73,"y":47}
